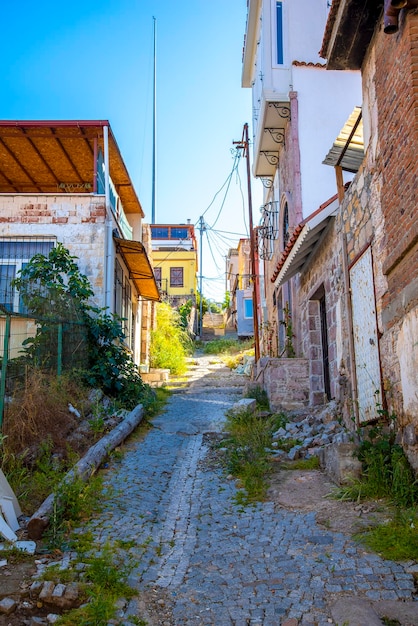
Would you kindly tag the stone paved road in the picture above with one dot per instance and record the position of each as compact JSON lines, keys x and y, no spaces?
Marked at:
{"x":217,"y":563}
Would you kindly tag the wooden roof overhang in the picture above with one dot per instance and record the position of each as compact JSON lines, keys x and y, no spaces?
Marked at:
{"x":140,"y":270}
{"x":54,"y":157}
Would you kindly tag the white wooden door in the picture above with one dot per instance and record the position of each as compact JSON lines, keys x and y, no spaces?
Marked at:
{"x":366,"y":343}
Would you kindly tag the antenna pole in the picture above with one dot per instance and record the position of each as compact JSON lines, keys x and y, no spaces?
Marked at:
{"x":154,"y":122}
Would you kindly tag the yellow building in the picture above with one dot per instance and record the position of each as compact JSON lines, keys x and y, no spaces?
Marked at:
{"x":174,"y":255}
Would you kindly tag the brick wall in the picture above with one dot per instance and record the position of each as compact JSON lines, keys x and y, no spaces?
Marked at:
{"x":380,"y":208}
{"x":396,"y":84}
{"x":77,"y":221}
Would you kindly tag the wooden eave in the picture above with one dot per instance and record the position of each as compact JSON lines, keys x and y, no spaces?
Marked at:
{"x":57,"y":157}
{"x":349,"y":30}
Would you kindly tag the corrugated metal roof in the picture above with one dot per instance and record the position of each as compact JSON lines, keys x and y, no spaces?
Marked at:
{"x":348,"y":148}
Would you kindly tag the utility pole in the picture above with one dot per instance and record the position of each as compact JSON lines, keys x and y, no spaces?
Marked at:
{"x":244,"y":145}
{"x":201,"y":229}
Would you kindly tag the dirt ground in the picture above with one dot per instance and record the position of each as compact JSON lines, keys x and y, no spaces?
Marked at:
{"x":303,"y":490}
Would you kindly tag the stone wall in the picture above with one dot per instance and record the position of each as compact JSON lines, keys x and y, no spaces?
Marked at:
{"x":286,"y":382}
{"x":380,"y":210}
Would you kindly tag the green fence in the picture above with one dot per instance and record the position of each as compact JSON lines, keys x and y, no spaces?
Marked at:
{"x":53,"y":345}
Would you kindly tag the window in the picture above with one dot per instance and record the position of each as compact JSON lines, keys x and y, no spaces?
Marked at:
{"x":127,"y":310}
{"x":285,"y":225}
{"x":279,"y":33}
{"x":159,"y":233}
{"x":123,"y":302}
{"x":118,"y":288}
{"x":14,"y":256}
{"x":176,"y":277}
{"x":248,"y":308}
{"x":179,"y":233}
{"x":157,"y":276}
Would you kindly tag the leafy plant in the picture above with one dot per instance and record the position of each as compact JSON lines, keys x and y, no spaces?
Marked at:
{"x":53,"y":289}
{"x":289,"y":350}
{"x":386,"y":470}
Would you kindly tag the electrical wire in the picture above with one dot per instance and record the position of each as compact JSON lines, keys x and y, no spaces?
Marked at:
{"x":227,"y":182}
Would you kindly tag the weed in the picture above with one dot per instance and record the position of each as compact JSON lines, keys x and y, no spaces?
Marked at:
{"x":303,"y":464}
{"x":386,"y":471}
{"x":224,"y":345}
{"x":73,"y":501}
{"x":248,"y":451}
{"x":391,"y":622}
{"x":260,"y":395}
{"x":97,"y":421}
{"x":396,"y":540}
{"x":58,"y":575}
{"x":14,"y":555}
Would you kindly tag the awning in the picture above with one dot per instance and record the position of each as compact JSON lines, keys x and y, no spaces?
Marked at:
{"x":348,"y":148}
{"x":140,"y":270}
{"x":308,"y":237}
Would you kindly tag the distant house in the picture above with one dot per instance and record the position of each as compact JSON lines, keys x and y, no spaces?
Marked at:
{"x":238,"y":272}
{"x":66,"y":182}
{"x":174,"y":255}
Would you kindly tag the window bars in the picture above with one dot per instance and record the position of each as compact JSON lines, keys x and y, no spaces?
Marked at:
{"x":268,"y":230}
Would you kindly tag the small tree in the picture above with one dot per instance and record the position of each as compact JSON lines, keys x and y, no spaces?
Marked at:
{"x":54,"y":290}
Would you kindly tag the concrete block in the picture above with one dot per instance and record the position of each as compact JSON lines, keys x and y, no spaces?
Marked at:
{"x":7,"y":606}
{"x":339,"y":462}
{"x":245,"y":404}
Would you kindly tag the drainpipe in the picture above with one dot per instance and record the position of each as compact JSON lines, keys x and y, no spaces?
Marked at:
{"x":295,"y":156}
{"x":108,"y":235}
{"x":391,"y":13}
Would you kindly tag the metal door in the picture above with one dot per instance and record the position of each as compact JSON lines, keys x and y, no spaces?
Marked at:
{"x":366,"y":344}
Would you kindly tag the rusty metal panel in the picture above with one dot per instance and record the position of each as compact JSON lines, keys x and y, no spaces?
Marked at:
{"x":366,"y":344}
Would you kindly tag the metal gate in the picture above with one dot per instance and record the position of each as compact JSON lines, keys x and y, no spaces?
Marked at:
{"x":366,"y":344}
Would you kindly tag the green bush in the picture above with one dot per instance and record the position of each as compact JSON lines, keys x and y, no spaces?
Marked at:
{"x":170,"y":344}
{"x":53,"y":289}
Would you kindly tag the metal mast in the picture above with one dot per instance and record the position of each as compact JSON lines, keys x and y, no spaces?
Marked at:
{"x":154,"y":122}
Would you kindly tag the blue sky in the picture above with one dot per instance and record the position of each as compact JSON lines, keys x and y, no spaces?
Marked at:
{"x":94,"y":60}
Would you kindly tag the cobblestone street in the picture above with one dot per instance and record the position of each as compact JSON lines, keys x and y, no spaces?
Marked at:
{"x":209,"y":561}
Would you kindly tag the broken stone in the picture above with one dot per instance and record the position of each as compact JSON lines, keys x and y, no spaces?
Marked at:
{"x":245,"y":404}
{"x":47,"y":591}
{"x":35,"y":588}
{"x":51,"y":618}
{"x":25,"y":546}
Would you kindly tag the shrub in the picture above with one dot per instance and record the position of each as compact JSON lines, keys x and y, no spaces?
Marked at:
{"x":170,"y":344}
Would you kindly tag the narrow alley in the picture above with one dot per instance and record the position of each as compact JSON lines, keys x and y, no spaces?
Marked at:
{"x":201,"y":559}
